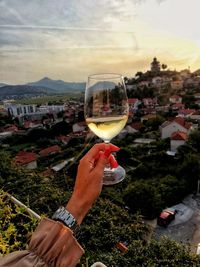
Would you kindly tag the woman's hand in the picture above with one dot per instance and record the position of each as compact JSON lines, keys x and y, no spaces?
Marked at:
{"x":89,"y":180}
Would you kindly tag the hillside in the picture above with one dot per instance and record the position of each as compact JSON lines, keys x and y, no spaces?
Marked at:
{"x":21,"y":90}
{"x":58,"y":85}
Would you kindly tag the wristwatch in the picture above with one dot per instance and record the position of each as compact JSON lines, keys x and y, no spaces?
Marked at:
{"x":67,"y":219}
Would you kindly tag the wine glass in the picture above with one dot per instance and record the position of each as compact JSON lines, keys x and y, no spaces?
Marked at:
{"x":106,"y":113}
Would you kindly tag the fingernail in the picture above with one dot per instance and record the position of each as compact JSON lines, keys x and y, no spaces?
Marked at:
{"x":113,"y":163}
{"x":114,"y":148}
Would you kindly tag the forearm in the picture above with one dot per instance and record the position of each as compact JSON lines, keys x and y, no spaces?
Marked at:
{"x":78,"y":208}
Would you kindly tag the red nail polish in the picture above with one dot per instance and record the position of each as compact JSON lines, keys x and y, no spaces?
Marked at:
{"x":113,"y":163}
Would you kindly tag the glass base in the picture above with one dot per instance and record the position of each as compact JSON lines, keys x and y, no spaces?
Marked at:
{"x":113,"y":176}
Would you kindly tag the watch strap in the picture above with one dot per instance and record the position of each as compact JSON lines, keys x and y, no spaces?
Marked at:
{"x":67,"y":218}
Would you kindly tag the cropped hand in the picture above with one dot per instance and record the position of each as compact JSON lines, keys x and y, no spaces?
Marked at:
{"x":89,"y":180}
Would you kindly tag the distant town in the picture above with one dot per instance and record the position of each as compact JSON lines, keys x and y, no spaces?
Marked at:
{"x":156,"y":92}
{"x":43,"y":135}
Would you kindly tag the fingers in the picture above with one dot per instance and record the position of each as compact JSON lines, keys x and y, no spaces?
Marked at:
{"x":94,"y":151}
{"x":101,"y":164}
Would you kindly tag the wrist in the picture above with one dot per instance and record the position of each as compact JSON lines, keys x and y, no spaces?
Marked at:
{"x":77,"y":208}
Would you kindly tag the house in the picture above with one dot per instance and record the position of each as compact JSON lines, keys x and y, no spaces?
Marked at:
{"x":79,"y":127}
{"x":157,"y":81}
{"x":63,"y":139}
{"x":178,"y":106}
{"x":185,"y":112}
{"x":137,"y":126}
{"x":133,"y":103}
{"x":192,"y":82}
{"x":10,"y":128}
{"x":176,"y":85}
{"x":195,"y":116}
{"x":149,"y":102}
{"x":185,"y":73}
{"x":148,"y":117}
{"x":32,"y":124}
{"x":197,"y":95}
{"x":26,"y":159}
{"x":175,"y":99}
{"x":177,"y":139}
{"x":49,"y":150}
{"x":178,"y":124}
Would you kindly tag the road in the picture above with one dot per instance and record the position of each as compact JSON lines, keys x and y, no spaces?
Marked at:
{"x":186,"y":226}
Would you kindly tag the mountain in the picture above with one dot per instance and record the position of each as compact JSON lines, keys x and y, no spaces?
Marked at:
{"x":2,"y":84}
{"x":22,"y":90}
{"x":59,"y":85}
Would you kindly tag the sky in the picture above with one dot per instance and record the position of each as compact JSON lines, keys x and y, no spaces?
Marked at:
{"x":71,"y":39}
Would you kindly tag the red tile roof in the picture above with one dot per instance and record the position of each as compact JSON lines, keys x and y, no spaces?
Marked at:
{"x":183,"y":123}
{"x":186,"y":111}
{"x":24,"y":157}
{"x":132,"y":100}
{"x":49,"y":150}
{"x":10,"y":128}
{"x":136,"y":125}
{"x":179,"y":136}
{"x":175,"y":96}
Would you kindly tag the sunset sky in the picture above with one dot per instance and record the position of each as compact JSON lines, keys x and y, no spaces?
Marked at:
{"x":70,"y":39}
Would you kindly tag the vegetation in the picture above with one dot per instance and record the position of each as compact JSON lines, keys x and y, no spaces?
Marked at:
{"x":51,"y":100}
{"x":16,"y":226}
{"x":149,"y":187}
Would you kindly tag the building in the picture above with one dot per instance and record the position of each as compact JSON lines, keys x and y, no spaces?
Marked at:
{"x":26,"y":159}
{"x":177,"y":139}
{"x":176,"y":85}
{"x":49,"y":151}
{"x":133,"y":103}
{"x":155,"y":65}
{"x":178,"y":124}
{"x":186,"y":112}
{"x":79,"y":127}
{"x":150,"y":102}
{"x":18,"y":110}
{"x":175,"y":99}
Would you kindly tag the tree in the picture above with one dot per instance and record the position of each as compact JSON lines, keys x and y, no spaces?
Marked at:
{"x":143,"y":197}
{"x":194,"y":140}
{"x":163,"y":66}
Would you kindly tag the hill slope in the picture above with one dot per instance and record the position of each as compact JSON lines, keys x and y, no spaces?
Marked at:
{"x":58,"y":85}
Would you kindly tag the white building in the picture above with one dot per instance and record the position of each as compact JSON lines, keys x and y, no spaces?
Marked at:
{"x":177,"y":139}
{"x":178,"y":124}
{"x":52,"y":108}
{"x":79,"y":127}
{"x":17,"y":110}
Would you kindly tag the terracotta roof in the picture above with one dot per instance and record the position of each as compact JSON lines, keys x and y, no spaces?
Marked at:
{"x":10,"y":128}
{"x":24,"y":157}
{"x":175,"y":96}
{"x":183,"y":123}
{"x":186,"y":111}
{"x":49,"y":150}
{"x":132,"y":100}
{"x":136,"y":125}
{"x":179,"y":136}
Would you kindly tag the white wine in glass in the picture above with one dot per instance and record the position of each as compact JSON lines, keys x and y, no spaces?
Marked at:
{"x":106,"y":113}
